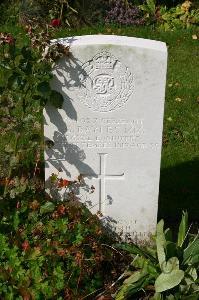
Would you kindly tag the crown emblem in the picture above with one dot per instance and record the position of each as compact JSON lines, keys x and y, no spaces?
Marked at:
{"x":104,"y":61}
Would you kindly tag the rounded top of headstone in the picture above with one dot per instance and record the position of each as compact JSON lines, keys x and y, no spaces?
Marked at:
{"x":114,"y":40}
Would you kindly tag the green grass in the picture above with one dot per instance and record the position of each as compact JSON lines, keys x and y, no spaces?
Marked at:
{"x":179,"y":187}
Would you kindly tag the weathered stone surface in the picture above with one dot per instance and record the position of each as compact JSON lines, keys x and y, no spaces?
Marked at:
{"x":110,"y":126}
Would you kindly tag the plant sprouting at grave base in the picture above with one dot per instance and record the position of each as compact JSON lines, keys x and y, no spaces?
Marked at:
{"x":169,"y":271}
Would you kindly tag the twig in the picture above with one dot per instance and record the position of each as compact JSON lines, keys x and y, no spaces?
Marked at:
{"x":112,"y":285}
{"x":112,"y":248}
{"x":90,"y":294}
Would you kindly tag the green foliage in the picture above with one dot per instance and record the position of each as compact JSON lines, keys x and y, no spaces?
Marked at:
{"x":25,"y":87}
{"x":51,"y":250}
{"x":181,"y":16}
{"x":149,"y":8}
{"x":168,"y":272}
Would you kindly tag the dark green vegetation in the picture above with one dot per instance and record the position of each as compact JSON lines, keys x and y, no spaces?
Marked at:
{"x":54,"y":251}
{"x":50,"y":250}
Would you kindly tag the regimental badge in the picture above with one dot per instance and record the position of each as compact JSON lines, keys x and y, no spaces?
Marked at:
{"x":106,"y":84}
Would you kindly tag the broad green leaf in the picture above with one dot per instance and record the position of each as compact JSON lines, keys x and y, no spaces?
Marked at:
{"x":192,"y":252}
{"x":194,"y":259}
{"x":160,"y":242}
{"x":166,"y":281}
{"x":182,"y":229}
{"x":56,"y":99}
{"x":47,"y":207}
{"x":145,"y":265}
{"x":127,"y":290}
{"x":133,"y":278}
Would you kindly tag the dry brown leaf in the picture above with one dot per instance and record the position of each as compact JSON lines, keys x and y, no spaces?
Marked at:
{"x":194,"y":37}
{"x":178,"y":99}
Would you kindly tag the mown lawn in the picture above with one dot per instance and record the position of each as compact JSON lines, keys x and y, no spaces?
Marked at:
{"x":179,"y":187}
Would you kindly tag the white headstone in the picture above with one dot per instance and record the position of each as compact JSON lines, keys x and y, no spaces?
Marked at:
{"x":110,"y":126}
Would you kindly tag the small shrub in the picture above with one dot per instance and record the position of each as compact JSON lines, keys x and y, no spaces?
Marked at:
{"x":123,"y":13}
{"x":181,"y":16}
{"x":51,"y":249}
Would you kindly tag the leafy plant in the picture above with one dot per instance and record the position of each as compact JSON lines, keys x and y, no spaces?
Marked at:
{"x":25,"y":88}
{"x":52,"y":250}
{"x":48,"y":249}
{"x":170,"y":271}
{"x":149,"y":10}
{"x":179,"y":16}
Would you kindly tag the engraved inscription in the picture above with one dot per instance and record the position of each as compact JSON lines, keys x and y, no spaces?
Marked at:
{"x":106,"y":83}
{"x":105,"y":132}
{"x":102,"y":176}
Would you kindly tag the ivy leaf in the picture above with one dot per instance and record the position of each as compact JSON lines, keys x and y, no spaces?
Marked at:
{"x":47,"y":207}
{"x":56,"y":99}
{"x":44,"y":89}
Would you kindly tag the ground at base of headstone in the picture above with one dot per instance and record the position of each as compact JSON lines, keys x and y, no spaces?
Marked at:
{"x":160,"y":272}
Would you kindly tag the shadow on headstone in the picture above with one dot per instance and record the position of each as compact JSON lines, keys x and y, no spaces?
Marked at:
{"x":61,"y":150}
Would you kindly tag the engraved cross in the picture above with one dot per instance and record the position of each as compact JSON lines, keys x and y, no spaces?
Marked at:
{"x":102,"y":176}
